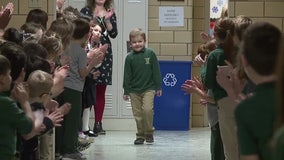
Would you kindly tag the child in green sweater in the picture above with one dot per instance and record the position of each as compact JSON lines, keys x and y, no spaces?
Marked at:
{"x":142,"y":79}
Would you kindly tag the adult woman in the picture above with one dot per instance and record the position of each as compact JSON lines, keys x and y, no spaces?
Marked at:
{"x":102,"y":12}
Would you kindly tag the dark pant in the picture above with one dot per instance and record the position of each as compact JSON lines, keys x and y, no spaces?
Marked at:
{"x":216,"y":144}
{"x":67,"y":134}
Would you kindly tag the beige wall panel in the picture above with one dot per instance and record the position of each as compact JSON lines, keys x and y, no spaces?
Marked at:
{"x":190,"y":2}
{"x":174,"y":3}
{"x":155,"y":47}
{"x":153,"y":2}
{"x":188,"y":12}
{"x":274,"y":9}
{"x":189,"y":49}
{"x":194,"y":48}
{"x":231,"y":9}
{"x":153,"y":11}
{"x":165,"y":58}
{"x":15,"y":2}
{"x":198,"y":24}
{"x":24,"y":6}
{"x":275,"y":21}
{"x":51,"y":7}
{"x":198,"y":110}
{"x":173,"y":49}
{"x":160,"y":36}
{"x":183,"y":37}
{"x":195,"y":99}
{"x":153,"y":24}
{"x":183,"y":58}
{"x":196,"y":36}
{"x":199,"y":2}
{"x":198,"y":12}
{"x":197,"y":121}
{"x":251,"y":9}
{"x":195,"y":71}
{"x":17,"y":21}
{"x":189,"y":24}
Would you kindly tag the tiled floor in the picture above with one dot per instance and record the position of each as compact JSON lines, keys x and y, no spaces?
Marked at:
{"x":168,"y":145}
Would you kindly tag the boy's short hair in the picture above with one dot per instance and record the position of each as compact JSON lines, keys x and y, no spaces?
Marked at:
{"x":4,"y":65}
{"x":39,"y":83}
{"x":137,"y":32}
{"x":17,"y":57}
{"x":260,"y":47}
{"x":82,"y":27}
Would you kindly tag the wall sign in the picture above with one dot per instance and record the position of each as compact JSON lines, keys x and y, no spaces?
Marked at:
{"x":171,"y":16}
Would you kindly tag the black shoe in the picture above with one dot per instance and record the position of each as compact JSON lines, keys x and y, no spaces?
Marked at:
{"x":149,"y":138}
{"x":139,"y":141}
{"x":80,"y":146}
{"x":90,"y":133}
{"x":98,"y":128}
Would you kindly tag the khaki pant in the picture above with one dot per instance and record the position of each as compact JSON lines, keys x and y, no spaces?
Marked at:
{"x":142,"y":108}
{"x":44,"y":148}
{"x":228,"y":128}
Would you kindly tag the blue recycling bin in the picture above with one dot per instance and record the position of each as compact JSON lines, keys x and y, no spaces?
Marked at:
{"x":171,"y":110}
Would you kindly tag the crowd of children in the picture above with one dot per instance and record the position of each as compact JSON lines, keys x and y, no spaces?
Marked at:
{"x":43,"y":71}
{"x":240,"y":78}
{"x":47,"y":80}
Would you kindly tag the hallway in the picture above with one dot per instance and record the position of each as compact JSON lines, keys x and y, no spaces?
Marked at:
{"x":168,"y":145}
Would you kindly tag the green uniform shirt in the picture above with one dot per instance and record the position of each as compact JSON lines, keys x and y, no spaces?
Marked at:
{"x":12,"y":121}
{"x":141,"y":72}
{"x":255,"y":118}
{"x":215,"y":58}
{"x":278,"y":147}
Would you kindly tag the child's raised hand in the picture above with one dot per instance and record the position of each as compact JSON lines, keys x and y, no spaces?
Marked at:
{"x":56,"y":117}
{"x":95,"y":57}
{"x":60,"y":73}
{"x":20,"y":93}
{"x":198,"y":60}
{"x":65,"y":108}
{"x":51,"y":105}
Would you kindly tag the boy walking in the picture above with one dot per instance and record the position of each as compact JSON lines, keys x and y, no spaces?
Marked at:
{"x":142,"y":79}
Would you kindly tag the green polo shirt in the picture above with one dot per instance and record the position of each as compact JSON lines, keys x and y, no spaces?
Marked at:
{"x":254,"y":119}
{"x":278,"y":144}
{"x":215,"y":58}
{"x":141,"y":72}
{"x":12,"y":121}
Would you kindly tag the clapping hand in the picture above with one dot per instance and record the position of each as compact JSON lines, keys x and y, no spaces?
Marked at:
{"x":5,"y":15}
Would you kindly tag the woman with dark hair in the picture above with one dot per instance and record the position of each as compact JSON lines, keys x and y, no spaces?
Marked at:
{"x":102,"y":11}
{"x":37,"y":16}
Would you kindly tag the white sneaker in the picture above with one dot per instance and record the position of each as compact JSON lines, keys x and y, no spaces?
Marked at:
{"x":85,"y":138}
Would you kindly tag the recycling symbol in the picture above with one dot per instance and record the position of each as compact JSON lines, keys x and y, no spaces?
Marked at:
{"x":170,"y":80}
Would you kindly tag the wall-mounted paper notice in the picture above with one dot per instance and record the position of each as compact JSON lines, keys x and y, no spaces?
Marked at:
{"x":171,"y":16}
{"x":134,"y":1}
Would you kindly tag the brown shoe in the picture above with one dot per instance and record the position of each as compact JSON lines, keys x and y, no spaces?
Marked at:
{"x":139,"y":141}
{"x":149,"y":138}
